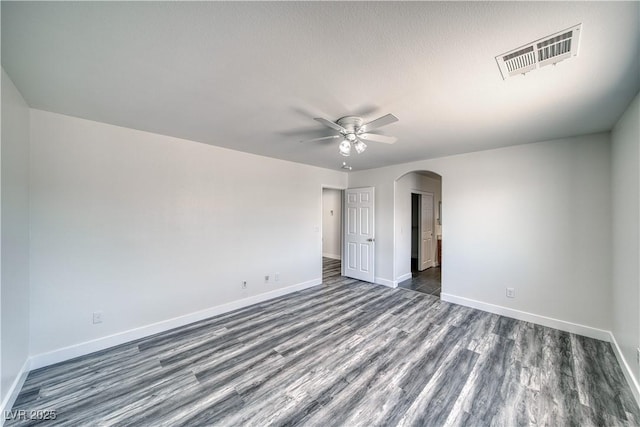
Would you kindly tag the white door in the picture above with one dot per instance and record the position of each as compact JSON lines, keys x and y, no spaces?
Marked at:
{"x":426,"y":232}
{"x":359,"y":240}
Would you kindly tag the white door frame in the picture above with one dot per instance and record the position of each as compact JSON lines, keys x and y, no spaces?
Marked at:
{"x":433,"y":226}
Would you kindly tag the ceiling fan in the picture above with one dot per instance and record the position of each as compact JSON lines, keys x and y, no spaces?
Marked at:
{"x":354,"y":132}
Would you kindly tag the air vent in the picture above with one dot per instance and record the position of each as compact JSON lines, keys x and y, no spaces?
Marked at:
{"x":546,"y":51}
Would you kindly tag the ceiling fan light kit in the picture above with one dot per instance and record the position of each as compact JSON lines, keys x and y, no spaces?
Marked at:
{"x":360,"y":146}
{"x":345,"y":148}
{"x":353,"y":131}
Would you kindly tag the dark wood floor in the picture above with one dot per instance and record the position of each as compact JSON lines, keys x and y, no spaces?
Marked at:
{"x":331,"y":271}
{"x":427,"y":281}
{"x":342,"y":353}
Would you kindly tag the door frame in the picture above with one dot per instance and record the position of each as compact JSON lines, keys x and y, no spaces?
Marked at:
{"x":433,"y":225}
{"x":321,"y":228}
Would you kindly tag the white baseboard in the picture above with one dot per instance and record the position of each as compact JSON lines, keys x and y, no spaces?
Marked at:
{"x":386,"y":282}
{"x":403,"y":278}
{"x":562,"y":325}
{"x":14,"y":390}
{"x":626,"y":369}
{"x":332,"y":256}
{"x":81,"y":349}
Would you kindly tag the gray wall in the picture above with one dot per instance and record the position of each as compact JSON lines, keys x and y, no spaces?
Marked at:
{"x":535,"y":217}
{"x":626,"y":233}
{"x":15,"y":234}
{"x":146,"y":228}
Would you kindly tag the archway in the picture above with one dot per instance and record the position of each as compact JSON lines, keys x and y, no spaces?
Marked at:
{"x":418,"y":233}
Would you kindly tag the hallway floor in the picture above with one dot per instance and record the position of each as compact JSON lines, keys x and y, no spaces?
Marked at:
{"x":427,"y":281}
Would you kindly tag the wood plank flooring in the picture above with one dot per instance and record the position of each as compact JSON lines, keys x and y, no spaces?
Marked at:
{"x":345,"y":353}
{"x":427,"y":281}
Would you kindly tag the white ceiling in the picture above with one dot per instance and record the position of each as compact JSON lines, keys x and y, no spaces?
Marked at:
{"x":251,"y":76}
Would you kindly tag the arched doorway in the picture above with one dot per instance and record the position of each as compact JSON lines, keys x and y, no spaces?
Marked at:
{"x":418,"y":199}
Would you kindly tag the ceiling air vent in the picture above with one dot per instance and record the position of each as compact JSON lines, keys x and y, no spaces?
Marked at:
{"x":546,"y":51}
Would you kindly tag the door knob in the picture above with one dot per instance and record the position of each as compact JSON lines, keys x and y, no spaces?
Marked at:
{"x":371,"y":240}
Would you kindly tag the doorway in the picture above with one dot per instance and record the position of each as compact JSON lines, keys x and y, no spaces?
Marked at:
{"x":422,"y":231}
{"x":418,"y":200}
{"x":332,"y":200}
{"x":415,"y":230}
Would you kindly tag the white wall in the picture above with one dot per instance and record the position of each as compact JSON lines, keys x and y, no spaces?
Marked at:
{"x":403,"y":188}
{"x":15,"y":235}
{"x":331,"y":223}
{"x":145,"y":227}
{"x":534,"y":217}
{"x":626,"y":233}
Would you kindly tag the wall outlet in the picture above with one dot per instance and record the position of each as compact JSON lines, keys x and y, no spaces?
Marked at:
{"x":244,"y":284}
{"x":511,"y":293}
{"x":97,"y":317}
{"x":276,"y":277}
{"x":266,"y":279}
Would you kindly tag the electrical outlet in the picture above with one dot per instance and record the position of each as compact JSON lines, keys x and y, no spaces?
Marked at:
{"x":244,"y":284}
{"x":266,"y":279}
{"x":97,"y":317}
{"x":511,"y":293}
{"x":276,"y":277}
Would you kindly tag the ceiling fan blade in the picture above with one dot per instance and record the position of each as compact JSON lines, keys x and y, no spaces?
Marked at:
{"x":379,"y":122}
{"x":332,"y":125}
{"x":378,"y":138}
{"x":324,"y":137}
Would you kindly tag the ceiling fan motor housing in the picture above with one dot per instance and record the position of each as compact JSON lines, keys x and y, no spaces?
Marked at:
{"x":350,"y":123}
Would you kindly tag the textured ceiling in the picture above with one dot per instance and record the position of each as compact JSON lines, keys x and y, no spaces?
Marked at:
{"x":251,"y":76}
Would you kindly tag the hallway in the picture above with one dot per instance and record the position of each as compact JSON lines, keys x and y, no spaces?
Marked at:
{"x":427,"y":281}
